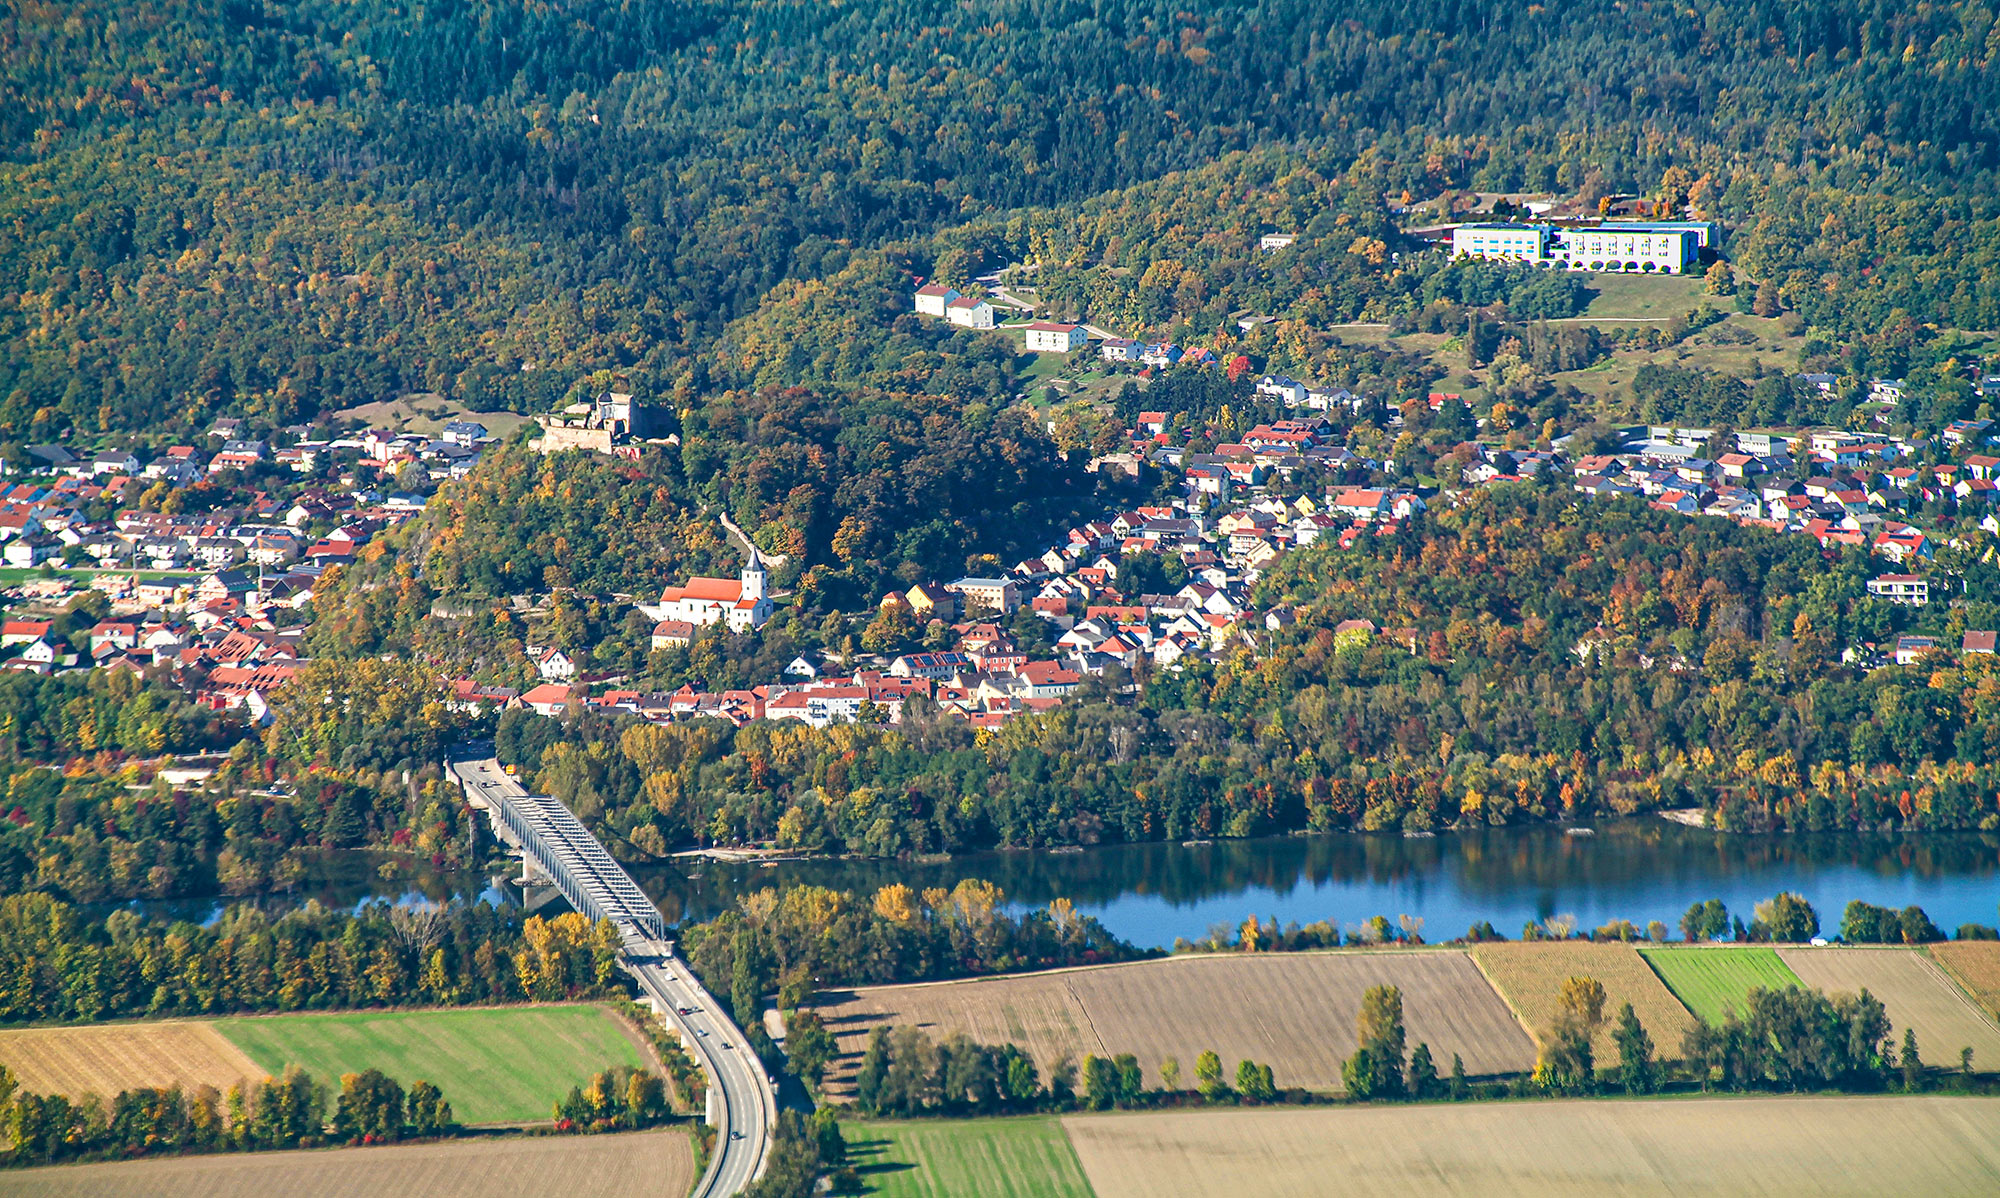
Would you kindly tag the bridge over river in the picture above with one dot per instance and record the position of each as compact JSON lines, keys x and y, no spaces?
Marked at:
{"x":554,"y":845}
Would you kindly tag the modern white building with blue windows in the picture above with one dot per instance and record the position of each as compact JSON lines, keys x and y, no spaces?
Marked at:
{"x":1619,"y":247}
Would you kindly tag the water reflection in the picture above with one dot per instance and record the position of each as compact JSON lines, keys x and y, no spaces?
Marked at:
{"x":1639,"y":870}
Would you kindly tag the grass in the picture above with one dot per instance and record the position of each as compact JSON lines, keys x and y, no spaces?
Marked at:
{"x":1530,"y":976}
{"x":495,"y":1065}
{"x":1644,"y":297}
{"x":1714,"y":981}
{"x":987,"y":1158}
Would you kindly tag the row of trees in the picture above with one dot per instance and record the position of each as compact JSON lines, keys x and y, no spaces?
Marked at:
{"x":58,"y":964}
{"x":291,"y":1111}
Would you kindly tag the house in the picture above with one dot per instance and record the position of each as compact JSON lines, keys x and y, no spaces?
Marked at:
{"x":1979,"y":642}
{"x":547,"y":699}
{"x":1363,"y":505}
{"x":1910,"y":648}
{"x":673,"y":634}
{"x":1291,"y":391}
{"x":1885,"y":391}
{"x":1275,"y":241}
{"x":933,"y":298}
{"x":743,"y":604}
{"x":225,"y":584}
{"x":969,"y":313}
{"x":555,"y":666}
{"x":1160,"y":354}
{"x":938,"y":666}
{"x":931,"y":602}
{"x":1048,"y":337}
{"x":1958,"y":432}
{"x":32,"y":550}
{"x":1120,"y":349}
{"x":1824,"y":383}
{"x":1906,"y":589}
{"x":114,"y":461}
{"x":465,"y":433}
{"x":1153,"y":423}
{"x":49,"y":457}
{"x":999,"y":595}
{"x":22,"y":632}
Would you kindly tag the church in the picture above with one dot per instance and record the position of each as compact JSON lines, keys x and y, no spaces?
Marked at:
{"x":744,"y":603}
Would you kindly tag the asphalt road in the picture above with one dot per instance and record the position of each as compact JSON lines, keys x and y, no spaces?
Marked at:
{"x":747,"y":1109}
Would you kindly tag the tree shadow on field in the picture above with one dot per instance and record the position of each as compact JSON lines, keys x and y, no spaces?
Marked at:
{"x":865,"y":1157}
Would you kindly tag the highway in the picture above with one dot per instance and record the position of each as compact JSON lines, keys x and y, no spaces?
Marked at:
{"x":742,"y":1106}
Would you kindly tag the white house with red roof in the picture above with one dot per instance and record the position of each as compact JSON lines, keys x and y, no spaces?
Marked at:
{"x":932,"y":298}
{"x":1048,"y":337}
{"x":969,"y":313}
{"x":742,"y":604}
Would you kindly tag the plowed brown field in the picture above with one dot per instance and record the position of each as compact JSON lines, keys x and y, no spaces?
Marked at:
{"x":1292,"y":1011}
{"x":1916,"y":994}
{"x":1530,"y":976}
{"x":106,"y":1058}
{"x":1845,"y":1147}
{"x":1975,"y":964}
{"x":641,"y":1163}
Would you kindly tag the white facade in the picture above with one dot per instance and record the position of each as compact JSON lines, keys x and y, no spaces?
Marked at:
{"x":743,"y":605}
{"x":931,"y":300}
{"x":969,"y":313}
{"x":1047,"y":338}
{"x":1604,"y":248}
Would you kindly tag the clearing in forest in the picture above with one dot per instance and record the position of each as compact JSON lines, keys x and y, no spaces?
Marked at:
{"x":1530,"y":975}
{"x":105,"y":1058}
{"x":1915,"y":994}
{"x":646,"y":1162}
{"x":1292,"y":1011}
{"x":1718,"y":1147}
{"x":985,"y":1158}
{"x":494,"y":1064}
{"x":1713,"y":981}
{"x":1975,"y":965}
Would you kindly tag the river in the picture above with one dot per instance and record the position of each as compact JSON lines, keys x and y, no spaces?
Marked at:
{"x":1642,"y":869}
{"x":1151,"y":894}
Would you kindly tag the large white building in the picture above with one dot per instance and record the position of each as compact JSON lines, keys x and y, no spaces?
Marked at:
{"x":1622,"y":248}
{"x":741,"y":603}
{"x":969,"y":312}
{"x":1047,"y":337}
{"x":932,"y":298}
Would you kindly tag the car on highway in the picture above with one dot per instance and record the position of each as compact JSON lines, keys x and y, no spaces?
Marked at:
{"x":686,"y":1011}
{"x":735,"y":1135}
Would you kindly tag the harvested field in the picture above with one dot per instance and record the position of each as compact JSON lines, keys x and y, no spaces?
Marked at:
{"x":106,"y":1058}
{"x":1292,"y":1011}
{"x":984,"y":1158}
{"x":494,"y":1064}
{"x":1712,"y":982}
{"x":1916,"y":993}
{"x":639,"y":1163}
{"x":1725,"y":1147}
{"x":1975,"y":965}
{"x":1530,"y":976}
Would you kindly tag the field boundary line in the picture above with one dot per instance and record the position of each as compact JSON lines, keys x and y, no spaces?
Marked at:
{"x":1944,"y":975}
{"x":1084,"y":1007}
{"x":1509,"y":1003}
{"x":1412,"y":950}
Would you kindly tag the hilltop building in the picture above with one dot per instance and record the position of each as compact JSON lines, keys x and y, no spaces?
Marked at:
{"x":742,"y":603}
{"x":1628,"y":247}
{"x":610,"y":424}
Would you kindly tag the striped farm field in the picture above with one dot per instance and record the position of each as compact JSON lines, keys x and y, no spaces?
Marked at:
{"x":494,"y":1064}
{"x":1915,"y":993}
{"x":985,"y":1158}
{"x":1292,"y":1011}
{"x":1975,"y":965}
{"x":1530,"y":975}
{"x":1712,"y":982}
{"x":103,"y":1059}
{"x":1762,"y":1147}
{"x":647,"y":1162}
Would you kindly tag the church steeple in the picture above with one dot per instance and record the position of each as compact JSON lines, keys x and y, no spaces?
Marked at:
{"x":755,"y":577}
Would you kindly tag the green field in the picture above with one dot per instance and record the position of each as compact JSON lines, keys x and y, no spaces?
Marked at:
{"x":987,"y":1158}
{"x":1645,"y":297}
{"x":495,"y":1065}
{"x":1713,"y":981}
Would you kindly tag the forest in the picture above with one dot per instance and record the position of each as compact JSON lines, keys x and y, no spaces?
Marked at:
{"x":276,"y":209}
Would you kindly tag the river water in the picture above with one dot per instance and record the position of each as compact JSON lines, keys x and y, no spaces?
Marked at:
{"x":1151,"y":894}
{"x":1640,"y":870}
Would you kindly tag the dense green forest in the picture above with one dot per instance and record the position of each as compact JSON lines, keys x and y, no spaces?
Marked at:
{"x":279,"y":208}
